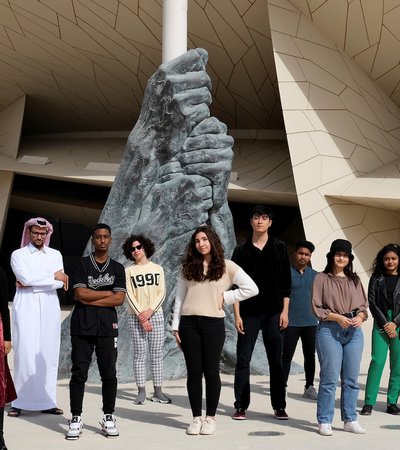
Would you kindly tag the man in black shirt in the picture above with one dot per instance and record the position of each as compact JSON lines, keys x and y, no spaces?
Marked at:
{"x":265,"y":259}
{"x":99,"y":284}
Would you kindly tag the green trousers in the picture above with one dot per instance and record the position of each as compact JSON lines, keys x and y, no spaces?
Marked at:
{"x":381,"y":343}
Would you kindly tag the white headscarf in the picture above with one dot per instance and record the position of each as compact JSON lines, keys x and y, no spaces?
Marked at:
{"x":39,"y":222}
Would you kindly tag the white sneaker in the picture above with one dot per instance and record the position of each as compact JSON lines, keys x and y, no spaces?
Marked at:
{"x":310,"y":393}
{"x":195,"y":426}
{"x":75,"y":428}
{"x":354,"y":427}
{"x":208,"y":426}
{"x":108,"y":426}
{"x":325,"y":429}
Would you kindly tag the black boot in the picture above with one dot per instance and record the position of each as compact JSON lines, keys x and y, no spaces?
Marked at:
{"x":2,"y":443}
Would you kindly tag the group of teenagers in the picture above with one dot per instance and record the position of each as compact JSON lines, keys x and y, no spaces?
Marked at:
{"x":285,"y":302}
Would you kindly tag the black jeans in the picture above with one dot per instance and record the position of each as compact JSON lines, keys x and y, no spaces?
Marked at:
{"x":202,"y":339}
{"x":105,"y":348}
{"x":307,"y":336}
{"x":272,"y":338}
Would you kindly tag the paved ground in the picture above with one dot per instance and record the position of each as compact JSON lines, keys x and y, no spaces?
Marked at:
{"x":155,"y":426}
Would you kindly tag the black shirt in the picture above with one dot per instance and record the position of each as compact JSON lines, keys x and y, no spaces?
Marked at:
{"x":90,"y":320}
{"x":270,"y":270}
{"x":391,"y":281}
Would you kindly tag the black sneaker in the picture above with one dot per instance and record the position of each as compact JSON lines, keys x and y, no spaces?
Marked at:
{"x":366,"y":410}
{"x":393,"y":409}
{"x":240,"y":414}
{"x":280,"y":414}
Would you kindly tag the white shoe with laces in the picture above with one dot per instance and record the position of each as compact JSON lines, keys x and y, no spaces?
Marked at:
{"x":208,"y":426}
{"x":325,"y":429}
{"x":75,"y":428}
{"x":195,"y":427}
{"x":108,"y":426}
{"x":354,"y":427}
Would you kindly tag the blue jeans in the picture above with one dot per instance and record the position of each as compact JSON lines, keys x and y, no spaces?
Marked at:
{"x":339,"y":353}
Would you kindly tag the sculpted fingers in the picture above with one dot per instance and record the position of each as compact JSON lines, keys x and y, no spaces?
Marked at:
{"x":208,"y":161}
{"x":176,"y":206}
{"x":209,"y":155}
{"x":198,"y":191}
{"x":218,"y":174}
{"x":195,"y":114}
{"x":214,"y":171}
{"x":211,"y":125}
{"x":192,"y":61}
{"x":189,"y":81}
{"x":208,"y":142}
{"x":190,"y":98}
{"x":176,"y":99}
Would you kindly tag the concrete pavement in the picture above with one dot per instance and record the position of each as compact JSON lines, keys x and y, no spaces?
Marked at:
{"x":156,"y":426}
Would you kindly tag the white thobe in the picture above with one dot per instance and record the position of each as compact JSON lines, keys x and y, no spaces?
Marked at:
{"x":36,"y":327}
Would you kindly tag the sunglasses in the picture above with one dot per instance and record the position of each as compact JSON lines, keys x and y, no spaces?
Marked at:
{"x":36,"y":234}
{"x":138,"y":247}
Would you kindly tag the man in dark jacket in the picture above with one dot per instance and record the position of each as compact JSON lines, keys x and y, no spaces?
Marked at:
{"x":265,"y":259}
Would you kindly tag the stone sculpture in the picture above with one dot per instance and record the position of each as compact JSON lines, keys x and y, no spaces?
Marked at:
{"x":173,"y":177}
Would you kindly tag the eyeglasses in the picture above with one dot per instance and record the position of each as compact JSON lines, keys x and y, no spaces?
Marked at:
{"x":138,"y":247}
{"x":38,"y":233}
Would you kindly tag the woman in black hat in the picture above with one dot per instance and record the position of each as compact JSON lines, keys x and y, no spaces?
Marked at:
{"x":340,"y":304}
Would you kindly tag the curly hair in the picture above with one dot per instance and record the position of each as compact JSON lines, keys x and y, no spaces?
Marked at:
{"x":192,"y":265}
{"x":348,"y":270}
{"x":148,"y":246}
{"x":378,"y":268}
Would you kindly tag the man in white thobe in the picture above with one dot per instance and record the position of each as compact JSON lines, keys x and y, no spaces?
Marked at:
{"x":36,"y":319}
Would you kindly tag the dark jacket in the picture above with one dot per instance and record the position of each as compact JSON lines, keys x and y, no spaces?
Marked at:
{"x":270,"y":270}
{"x":377,"y":298}
{"x":90,"y":320}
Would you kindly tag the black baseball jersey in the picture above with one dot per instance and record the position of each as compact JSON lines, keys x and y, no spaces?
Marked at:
{"x":90,"y":320}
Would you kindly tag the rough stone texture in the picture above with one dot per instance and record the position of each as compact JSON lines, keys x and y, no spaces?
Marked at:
{"x":173,"y":177}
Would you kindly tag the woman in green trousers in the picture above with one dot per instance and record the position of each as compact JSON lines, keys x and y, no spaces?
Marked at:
{"x":384,"y":304}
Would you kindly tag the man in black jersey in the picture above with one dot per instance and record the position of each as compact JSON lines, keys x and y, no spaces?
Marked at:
{"x":99,"y":286}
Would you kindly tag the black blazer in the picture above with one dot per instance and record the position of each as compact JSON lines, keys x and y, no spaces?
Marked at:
{"x":377,"y":298}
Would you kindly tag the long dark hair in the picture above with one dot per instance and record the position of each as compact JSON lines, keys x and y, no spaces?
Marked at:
{"x":378,"y":267}
{"x":192,"y":265}
{"x":348,"y":270}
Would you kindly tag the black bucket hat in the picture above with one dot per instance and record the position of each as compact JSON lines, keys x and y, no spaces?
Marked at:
{"x":341,"y":245}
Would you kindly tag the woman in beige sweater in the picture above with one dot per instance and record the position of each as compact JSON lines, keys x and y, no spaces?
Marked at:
{"x":198,"y":319}
{"x":145,"y":294}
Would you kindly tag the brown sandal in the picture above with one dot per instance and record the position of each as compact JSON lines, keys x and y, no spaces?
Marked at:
{"x":55,"y":411}
{"x":14,"y":412}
